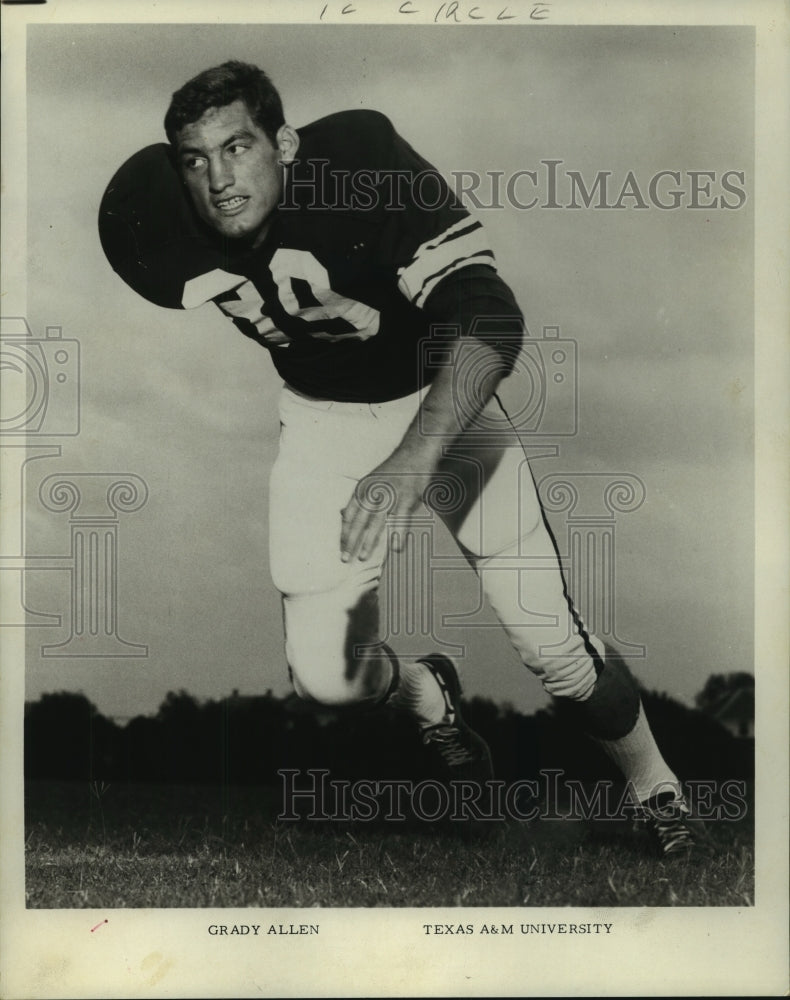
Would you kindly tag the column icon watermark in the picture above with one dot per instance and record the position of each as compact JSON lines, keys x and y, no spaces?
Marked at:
{"x":41,"y":401}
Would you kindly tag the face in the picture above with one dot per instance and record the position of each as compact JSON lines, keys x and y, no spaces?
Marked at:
{"x":232,"y":171}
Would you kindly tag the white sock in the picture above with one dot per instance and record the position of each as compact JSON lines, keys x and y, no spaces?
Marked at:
{"x":638,"y":757}
{"x":419,"y":695}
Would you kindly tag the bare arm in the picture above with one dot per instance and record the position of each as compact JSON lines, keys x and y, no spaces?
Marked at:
{"x":407,"y":472}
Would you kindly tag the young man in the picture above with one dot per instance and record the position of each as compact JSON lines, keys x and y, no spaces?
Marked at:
{"x":342,"y":251}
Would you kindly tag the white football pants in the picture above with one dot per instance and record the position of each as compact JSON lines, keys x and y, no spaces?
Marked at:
{"x":486,"y":496}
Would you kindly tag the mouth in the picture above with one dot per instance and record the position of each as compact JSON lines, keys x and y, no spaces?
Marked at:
{"x":230,"y":206}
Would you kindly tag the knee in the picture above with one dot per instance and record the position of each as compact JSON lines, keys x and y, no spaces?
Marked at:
{"x":322,"y":674}
{"x":323,"y":690}
{"x":338,"y":689}
{"x":611,"y":710}
{"x":574,"y":680}
{"x":332,"y":660}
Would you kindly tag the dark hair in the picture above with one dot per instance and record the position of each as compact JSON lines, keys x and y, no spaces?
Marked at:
{"x":220,"y":86}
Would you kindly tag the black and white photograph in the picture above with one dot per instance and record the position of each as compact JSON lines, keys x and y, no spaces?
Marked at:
{"x":394,"y":500}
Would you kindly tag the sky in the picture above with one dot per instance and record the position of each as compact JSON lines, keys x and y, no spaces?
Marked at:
{"x":659,"y":304}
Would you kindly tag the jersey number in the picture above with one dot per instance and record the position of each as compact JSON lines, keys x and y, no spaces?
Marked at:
{"x":286,"y":266}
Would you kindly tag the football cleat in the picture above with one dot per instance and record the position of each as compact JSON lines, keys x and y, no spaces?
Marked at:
{"x":665,"y":818}
{"x":462,"y":755}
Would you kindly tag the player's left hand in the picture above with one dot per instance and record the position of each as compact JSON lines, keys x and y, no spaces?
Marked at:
{"x":393,"y":490}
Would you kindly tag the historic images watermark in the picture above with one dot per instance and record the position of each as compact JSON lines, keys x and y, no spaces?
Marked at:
{"x":313,"y":795}
{"x":40,"y":405}
{"x":41,"y":381}
{"x":549,"y":184}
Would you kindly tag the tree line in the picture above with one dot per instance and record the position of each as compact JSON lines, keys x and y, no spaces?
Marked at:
{"x":243,"y":740}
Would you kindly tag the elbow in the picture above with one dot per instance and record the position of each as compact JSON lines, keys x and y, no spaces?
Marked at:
{"x":503,"y":337}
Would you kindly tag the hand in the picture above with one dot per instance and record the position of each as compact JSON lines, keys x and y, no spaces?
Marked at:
{"x":393,"y":489}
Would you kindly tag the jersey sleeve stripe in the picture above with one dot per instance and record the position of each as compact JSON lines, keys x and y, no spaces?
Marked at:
{"x":459,"y":246}
{"x":484,"y":257}
{"x":461,"y":228}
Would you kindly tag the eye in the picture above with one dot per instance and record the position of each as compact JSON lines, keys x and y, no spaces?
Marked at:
{"x":237,"y":148}
{"x":193,"y":163}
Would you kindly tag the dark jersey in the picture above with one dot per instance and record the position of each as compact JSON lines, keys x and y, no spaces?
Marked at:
{"x":366,"y":253}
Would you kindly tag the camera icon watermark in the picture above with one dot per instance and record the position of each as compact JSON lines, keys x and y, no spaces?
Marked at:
{"x":544,"y":400}
{"x":40,"y":381}
{"x":548,"y":371}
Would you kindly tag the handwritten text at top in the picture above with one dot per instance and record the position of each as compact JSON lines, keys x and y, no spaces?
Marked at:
{"x":452,"y":12}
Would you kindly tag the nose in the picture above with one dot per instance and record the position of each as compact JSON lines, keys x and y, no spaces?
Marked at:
{"x":220,"y":175}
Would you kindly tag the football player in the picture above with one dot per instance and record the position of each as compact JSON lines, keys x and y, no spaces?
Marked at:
{"x":339,"y":249}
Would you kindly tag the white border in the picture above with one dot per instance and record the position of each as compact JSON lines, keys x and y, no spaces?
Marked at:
{"x":671,"y":952}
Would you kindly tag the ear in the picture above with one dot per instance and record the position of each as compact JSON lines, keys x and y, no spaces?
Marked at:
{"x":287,"y":143}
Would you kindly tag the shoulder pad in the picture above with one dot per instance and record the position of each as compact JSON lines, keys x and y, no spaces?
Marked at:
{"x":149,"y":231}
{"x":357,"y":139}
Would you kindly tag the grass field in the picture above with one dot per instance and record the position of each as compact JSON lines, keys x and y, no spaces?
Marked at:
{"x":98,"y":846}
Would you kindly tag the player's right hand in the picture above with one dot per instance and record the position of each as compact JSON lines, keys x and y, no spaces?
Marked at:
{"x":390,"y":493}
